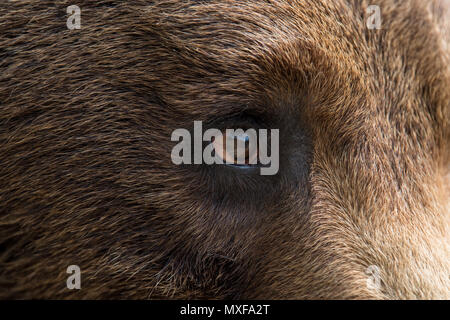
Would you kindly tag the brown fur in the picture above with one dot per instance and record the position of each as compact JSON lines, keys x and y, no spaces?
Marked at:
{"x":86,"y":178}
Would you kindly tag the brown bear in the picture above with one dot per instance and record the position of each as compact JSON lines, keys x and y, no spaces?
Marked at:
{"x":359,"y":208}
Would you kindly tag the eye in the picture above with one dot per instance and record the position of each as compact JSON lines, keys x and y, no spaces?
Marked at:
{"x":237,"y":148}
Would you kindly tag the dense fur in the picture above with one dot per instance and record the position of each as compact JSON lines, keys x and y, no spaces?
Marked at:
{"x":86,"y":118}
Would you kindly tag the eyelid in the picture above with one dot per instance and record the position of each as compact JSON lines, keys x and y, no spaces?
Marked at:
{"x":242,"y":121}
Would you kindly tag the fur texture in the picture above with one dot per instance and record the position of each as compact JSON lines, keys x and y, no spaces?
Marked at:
{"x":86,"y":178}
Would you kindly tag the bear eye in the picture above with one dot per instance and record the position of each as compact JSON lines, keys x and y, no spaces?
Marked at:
{"x":237,"y":148}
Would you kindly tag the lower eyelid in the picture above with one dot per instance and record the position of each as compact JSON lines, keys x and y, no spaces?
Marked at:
{"x":241,"y":166}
